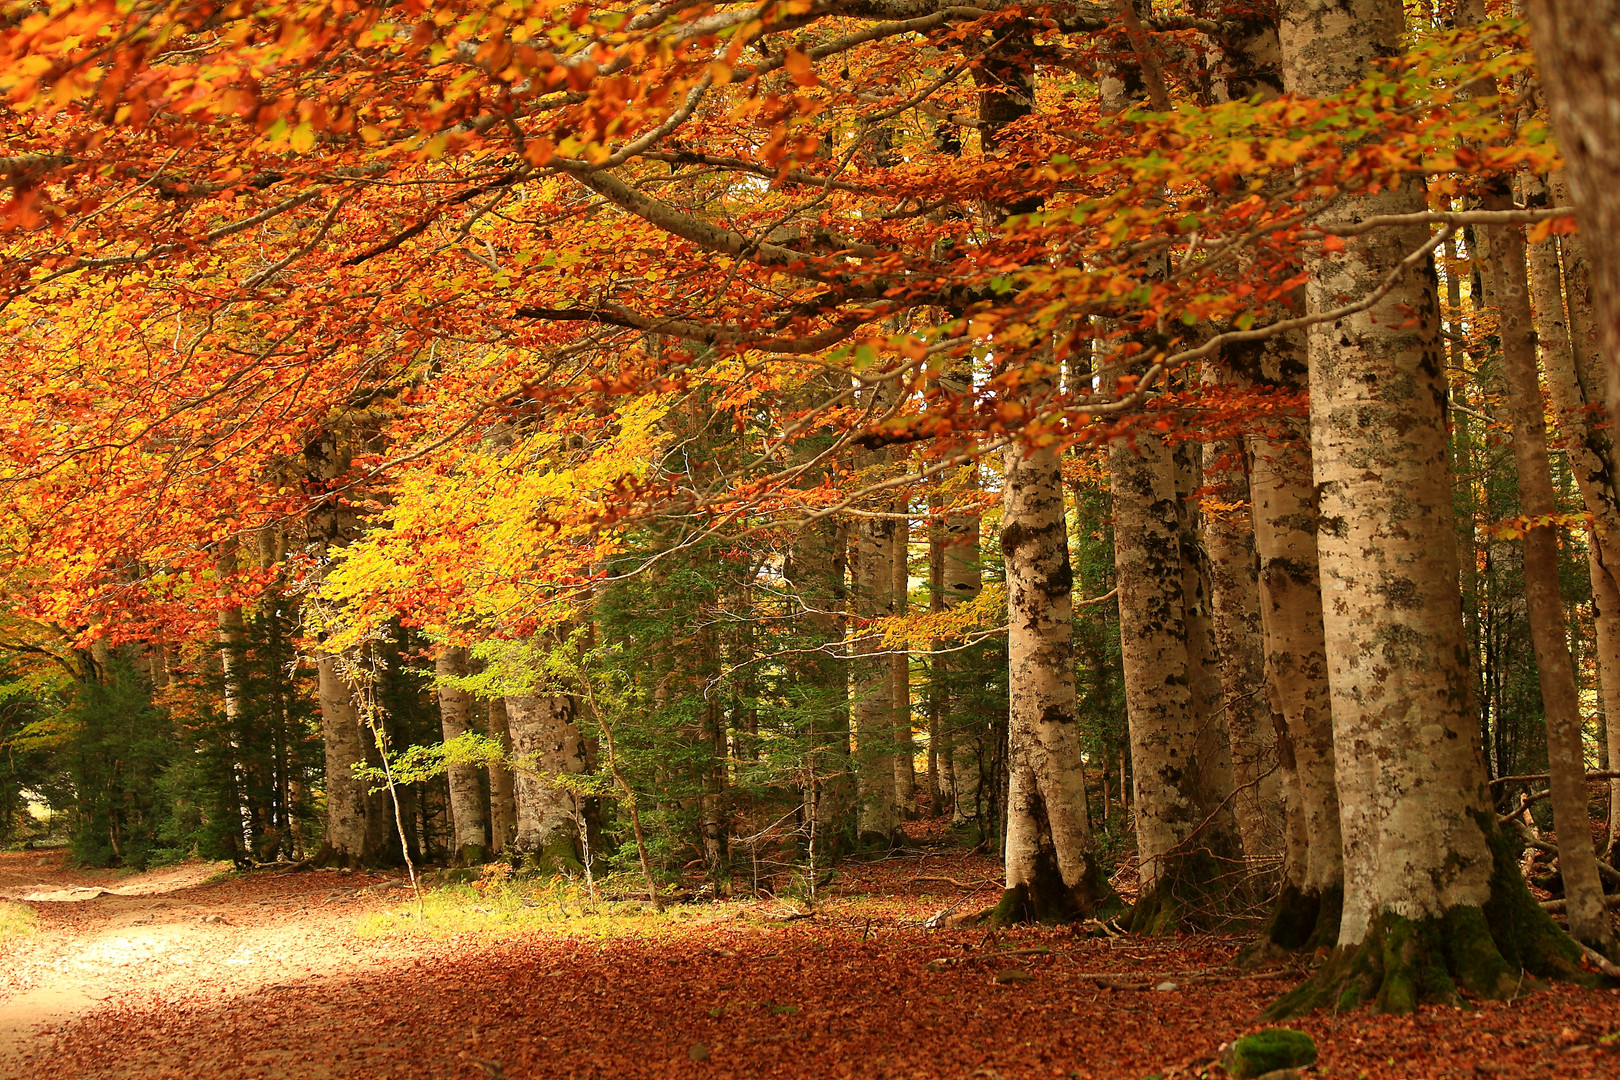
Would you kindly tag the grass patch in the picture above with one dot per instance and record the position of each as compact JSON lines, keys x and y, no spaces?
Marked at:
{"x":17,"y":921}
{"x":494,"y":909}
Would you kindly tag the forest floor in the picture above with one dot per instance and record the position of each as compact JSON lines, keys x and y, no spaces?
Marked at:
{"x":197,"y":973}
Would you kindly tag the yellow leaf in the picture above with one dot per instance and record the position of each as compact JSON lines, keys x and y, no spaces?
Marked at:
{"x":303,"y":138}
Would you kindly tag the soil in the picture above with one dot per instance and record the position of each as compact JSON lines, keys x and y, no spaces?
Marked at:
{"x":184,"y":973}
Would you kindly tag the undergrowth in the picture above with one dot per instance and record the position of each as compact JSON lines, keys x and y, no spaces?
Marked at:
{"x":16,"y":921}
{"x":497,"y":906}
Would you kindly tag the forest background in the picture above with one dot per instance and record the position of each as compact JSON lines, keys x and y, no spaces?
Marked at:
{"x":687,"y":442}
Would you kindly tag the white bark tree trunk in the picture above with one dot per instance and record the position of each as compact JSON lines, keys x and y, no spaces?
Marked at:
{"x":1422,"y":865}
{"x":964,"y":580}
{"x":546,"y":745}
{"x":1285,"y":531}
{"x":905,"y":754}
{"x":466,"y":795}
{"x":345,"y":747}
{"x":1051,"y":867}
{"x":872,"y":690}
{"x":1239,"y":639}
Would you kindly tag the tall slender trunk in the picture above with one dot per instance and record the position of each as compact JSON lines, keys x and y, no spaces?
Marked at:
{"x":873,"y":689}
{"x":502,"y":784}
{"x":1051,"y":867}
{"x":1570,"y":361}
{"x":939,"y":739}
{"x":1239,"y":639}
{"x":963,"y":574}
{"x":1577,"y":44}
{"x":466,"y":796}
{"x":345,"y":794}
{"x":546,"y":746}
{"x":1566,"y":756}
{"x":1433,"y":901}
{"x":905,"y":748}
{"x":713,"y":821}
{"x":1285,"y":536}
{"x":1176,"y":865}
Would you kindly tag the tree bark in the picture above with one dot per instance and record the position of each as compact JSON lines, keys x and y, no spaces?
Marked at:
{"x":1433,"y":899}
{"x":502,"y":785}
{"x":546,"y":745}
{"x":878,"y":820}
{"x":344,"y":744}
{"x":1239,"y":639}
{"x":1285,"y":535}
{"x":905,"y":771}
{"x":1176,"y":864}
{"x":1577,"y":44}
{"x":1052,"y":872}
{"x":1566,"y":756}
{"x":466,"y":796}
{"x":963,"y":581}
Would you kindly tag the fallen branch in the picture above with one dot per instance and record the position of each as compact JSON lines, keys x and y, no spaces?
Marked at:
{"x":1556,"y":907}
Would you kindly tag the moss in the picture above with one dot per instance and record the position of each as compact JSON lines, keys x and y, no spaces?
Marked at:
{"x":1048,"y":899}
{"x":1194,"y":892}
{"x":1293,"y":918}
{"x":1267,"y":1051}
{"x":472,"y":855}
{"x":1483,"y":952}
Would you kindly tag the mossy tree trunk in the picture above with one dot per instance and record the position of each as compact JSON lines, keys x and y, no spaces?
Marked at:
{"x":1433,"y":901}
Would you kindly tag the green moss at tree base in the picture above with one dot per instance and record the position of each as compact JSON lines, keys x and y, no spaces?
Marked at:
{"x":1492,"y":951}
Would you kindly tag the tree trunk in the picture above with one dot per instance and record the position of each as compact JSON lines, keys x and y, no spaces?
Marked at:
{"x":1566,"y":756}
{"x":878,"y":821}
{"x":1285,"y":534}
{"x":1577,"y":44}
{"x":1176,"y":865}
{"x":905,"y":771}
{"x":1239,"y":638}
{"x":1052,"y":872}
{"x":546,"y":746}
{"x":963,"y":575}
{"x":345,"y":747}
{"x":1590,"y":452}
{"x":466,"y":798}
{"x":502,"y":786}
{"x":1433,"y":898}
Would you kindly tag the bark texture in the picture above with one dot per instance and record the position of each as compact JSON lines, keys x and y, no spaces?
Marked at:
{"x":1285,"y":527}
{"x":963,"y":577}
{"x":1051,"y":869}
{"x":502,"y":784}
{"x":1239,"y":639}
{"x":1177,"y":864}
{"x":546,"y":744}
{"x":873,"y":689}
{"x":1566,"y":759}
{"x":345,"y":747}
{"x":1433,"y":901}
{"x":466,"y":795}
{"x":1577,"y":44}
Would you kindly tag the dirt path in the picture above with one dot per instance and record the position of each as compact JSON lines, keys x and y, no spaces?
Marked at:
{"x":168,"y":935}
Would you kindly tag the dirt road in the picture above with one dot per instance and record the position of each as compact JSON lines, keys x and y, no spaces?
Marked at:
{"x":167,"y":937}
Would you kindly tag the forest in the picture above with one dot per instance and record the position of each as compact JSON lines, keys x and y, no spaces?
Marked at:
{"x":509,"y":488}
